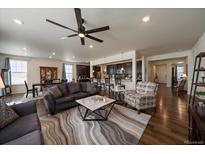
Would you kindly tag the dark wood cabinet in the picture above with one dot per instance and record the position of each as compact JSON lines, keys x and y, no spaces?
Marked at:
{"x":121,"y":70}
{"x":83,"y":70}
{"x":197,"y":124}
{"x":197,"y":105}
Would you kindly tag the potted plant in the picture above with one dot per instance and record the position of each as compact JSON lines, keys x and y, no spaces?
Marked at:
{"x":200,"y":94}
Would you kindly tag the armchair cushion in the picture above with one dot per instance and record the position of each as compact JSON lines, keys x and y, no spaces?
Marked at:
{"x":140,"y":101}
{"x":143,"y":97}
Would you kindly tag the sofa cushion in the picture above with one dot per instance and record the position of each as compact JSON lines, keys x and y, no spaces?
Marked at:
{"x":55,"y":91}
{"x":74,"y":87}
{"x":63,"y":88}
{"x":64,"y":106}
{"x":80,"y":95}
{"x":33,"y":138}
{"x":7,"y":115}
{"x":65,"y":99}
{"x":84,"y":86}
{"x":20,"y":127}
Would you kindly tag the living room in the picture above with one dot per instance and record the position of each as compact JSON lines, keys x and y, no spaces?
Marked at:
{"x":95,"y":76}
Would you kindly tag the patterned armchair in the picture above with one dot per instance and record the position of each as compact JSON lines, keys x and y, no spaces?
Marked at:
{"x":143,"y":97}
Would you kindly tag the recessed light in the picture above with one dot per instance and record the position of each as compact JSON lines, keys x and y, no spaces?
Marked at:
{"x":73,"y":57}
{"x":81,"y":35}
{"x":91,"y":46}
{"x":50,"y":57}
{"x":146,"y":19}
{"x":17,"y":21}
{"x":25,"y":49}
{"x":53,"y":53}
{"x":63,"y":38}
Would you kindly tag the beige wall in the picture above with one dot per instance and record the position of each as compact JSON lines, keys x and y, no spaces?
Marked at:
{"x":33,"y":72}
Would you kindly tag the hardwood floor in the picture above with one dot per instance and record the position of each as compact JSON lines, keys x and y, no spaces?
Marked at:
{"x":169,"y":125}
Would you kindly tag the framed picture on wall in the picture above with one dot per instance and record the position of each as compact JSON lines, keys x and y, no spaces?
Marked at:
{"x":48,"y":73}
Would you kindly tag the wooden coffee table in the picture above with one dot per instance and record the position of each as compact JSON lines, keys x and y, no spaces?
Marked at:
{"x":95,"y":108}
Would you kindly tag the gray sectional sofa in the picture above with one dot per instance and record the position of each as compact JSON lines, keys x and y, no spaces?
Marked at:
{"x":26,"y":130}
{"x":63,"y":96}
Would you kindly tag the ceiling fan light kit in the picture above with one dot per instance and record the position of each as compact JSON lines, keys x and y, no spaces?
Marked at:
{"x":81,"y":32}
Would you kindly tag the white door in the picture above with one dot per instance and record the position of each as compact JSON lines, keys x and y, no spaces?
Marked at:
{"x":161,"y":71}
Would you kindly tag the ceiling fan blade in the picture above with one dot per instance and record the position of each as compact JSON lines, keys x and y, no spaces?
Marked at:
{"x":79,"y":19}
{"x":82,"y":40}
{"x":72,"y":35}
{"x":57,"y":24}
{"x":97,"y":30}
{"x":94,"y":38}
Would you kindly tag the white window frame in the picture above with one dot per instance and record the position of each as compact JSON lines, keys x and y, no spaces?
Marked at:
{"x":26,"y":72}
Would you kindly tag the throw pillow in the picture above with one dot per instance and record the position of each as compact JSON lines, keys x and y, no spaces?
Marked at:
{"x":63,"y":88}
{"x":55,"y":91}
{"x":74,"y":87}
{"x":7,"y":115}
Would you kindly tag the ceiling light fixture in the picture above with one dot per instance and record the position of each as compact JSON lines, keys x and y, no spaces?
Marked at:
{"x":146,"y":19}
{"x":180,"y":62}
{"x":53,"y":53}
{"x":19,"y":22}
{"x":25,"y":49}
{"x":50,"y":57}
{"x":91,"y":46}
{"x":81,"y":35}
{"x":63,"y":38}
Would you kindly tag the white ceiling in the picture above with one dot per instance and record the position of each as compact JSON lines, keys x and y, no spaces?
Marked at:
{"x":168,"y":30}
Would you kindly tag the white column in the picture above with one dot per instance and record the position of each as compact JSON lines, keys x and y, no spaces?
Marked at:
{"x":91,"y":70}
{"x":169,"y":75}
{"x":143,"y":68}
{"x":134,"y":69}
{"x":190,"y":61}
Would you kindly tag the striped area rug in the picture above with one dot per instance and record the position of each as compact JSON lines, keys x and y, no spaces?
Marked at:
{"x":123,"y":127}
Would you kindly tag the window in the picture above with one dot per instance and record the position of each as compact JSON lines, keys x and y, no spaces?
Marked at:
{"x":69,"y":72}
{"x":180,"y":72}
{"x":18,"y":71}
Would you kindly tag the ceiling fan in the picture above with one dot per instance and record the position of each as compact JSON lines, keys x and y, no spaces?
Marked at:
{"x":81,"y":32}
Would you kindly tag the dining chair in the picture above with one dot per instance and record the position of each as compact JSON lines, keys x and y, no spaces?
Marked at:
{"x":99,"y":83}
{"x":30,"y":90}
{"x":108,"y":84}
